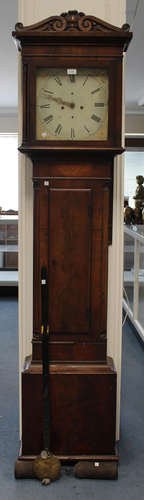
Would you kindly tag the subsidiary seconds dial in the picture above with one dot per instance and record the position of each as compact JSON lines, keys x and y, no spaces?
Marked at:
{"x":71,"y":104}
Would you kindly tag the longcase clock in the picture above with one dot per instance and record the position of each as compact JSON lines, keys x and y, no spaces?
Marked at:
{"x":72,"y":107}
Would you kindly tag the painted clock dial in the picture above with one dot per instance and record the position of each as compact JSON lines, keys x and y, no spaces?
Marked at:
{"x":71,"y":104}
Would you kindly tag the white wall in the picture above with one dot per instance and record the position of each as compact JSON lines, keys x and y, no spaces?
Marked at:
{"x":8,"y":124}
{"x":112,"y":11}
{"x":30,"y":12}
{"x":134,"y":123}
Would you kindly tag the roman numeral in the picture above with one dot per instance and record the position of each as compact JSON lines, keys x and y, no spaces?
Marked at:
{"x":86,"y":79}
{"x":46,"y":91}
{"x":58,"y":81}
{"x":99,"y":104}
{"x":72,"y":133}
{"x":87,"y":130}
{"x":96,"y":118}
{"x":72,"y":78}
{"x":96,"y":90}
{"x":48,"y":119}
{"x":58,"y":129}
{"x":45,"y":106}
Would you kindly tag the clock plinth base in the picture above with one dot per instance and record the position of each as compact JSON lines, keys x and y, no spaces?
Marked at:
{"x":82,"y":407}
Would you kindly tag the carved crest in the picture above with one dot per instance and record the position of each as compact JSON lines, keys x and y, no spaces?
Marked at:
{"x":71,"y":21}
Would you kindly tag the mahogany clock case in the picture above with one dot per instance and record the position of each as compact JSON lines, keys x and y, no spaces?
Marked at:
{"x":73,"y":196}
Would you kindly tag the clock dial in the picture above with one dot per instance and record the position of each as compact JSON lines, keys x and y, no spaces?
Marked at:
{"x":71,"y":106}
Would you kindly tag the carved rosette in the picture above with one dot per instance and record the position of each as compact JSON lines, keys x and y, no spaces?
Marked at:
{"x":71,"y":21}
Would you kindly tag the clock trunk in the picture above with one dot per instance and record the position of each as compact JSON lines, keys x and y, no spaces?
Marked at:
{"x":71,"y":240}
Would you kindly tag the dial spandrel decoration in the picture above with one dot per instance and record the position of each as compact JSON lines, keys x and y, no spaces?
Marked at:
{"x":72,"y":104}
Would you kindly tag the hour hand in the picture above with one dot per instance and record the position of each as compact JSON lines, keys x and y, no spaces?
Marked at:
{"x":59,"y":100}
{"x":64,"y":103}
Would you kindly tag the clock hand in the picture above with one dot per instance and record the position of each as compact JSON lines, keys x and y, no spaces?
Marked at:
{"x":60,"y":101}
{"x":65,"y":103}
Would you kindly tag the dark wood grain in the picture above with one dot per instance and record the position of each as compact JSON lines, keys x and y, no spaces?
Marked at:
{"x":83,"y":410}
{"x":69,"y":260}
{"x":73,"y":197}
{"x":76,"y":349}
{"x":71,"y":240}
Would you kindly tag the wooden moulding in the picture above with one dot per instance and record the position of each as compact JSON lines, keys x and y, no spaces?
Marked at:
{"x":32,"y":151}
{"x":70,"y":368}
{"x":74,"y":24}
